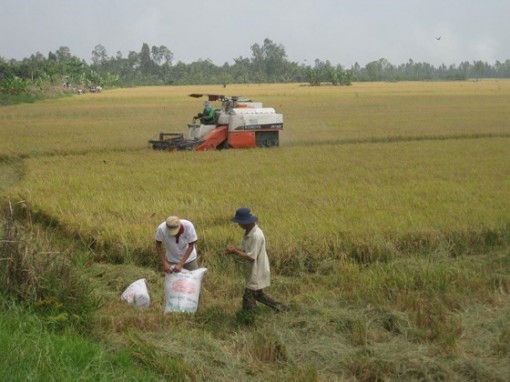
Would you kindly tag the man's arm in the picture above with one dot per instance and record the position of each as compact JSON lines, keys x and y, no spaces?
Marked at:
{"x":236,"y":251}
{"x":167,"y":268}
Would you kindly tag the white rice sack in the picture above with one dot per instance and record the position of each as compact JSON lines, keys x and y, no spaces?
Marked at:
{"x":182,"y":290}
{"x":137,"y":294}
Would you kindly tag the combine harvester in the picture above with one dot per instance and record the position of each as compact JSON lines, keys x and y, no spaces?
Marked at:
{"x":240,"y":123}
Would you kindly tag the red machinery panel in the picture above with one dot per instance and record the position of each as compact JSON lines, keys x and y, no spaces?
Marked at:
{"x":213,"y":139}
{"x":240,"y":140}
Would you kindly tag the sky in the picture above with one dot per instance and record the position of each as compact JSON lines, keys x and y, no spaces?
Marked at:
{"x":343,"y":32}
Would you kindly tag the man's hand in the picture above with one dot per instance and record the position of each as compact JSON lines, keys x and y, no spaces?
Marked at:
{"x":232,"y":249}
{"x":177,"y":267}
{"x":167,"y":267}
{"x":239,"y":252}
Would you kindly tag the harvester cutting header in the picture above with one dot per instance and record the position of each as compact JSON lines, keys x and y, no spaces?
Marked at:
{"x":238,"y":123}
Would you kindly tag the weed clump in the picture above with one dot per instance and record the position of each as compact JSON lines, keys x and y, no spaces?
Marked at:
{"x":44,"y":279}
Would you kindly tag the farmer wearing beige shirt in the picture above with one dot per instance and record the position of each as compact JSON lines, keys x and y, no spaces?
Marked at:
{"x":253,"y":250}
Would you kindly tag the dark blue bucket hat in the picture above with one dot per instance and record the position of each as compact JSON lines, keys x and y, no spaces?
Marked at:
{"x":244,"y":216}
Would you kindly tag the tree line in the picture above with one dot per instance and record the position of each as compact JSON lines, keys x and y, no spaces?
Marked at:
{"x":268,"y":64}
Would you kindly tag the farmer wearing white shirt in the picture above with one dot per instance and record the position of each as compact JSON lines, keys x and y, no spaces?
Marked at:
{"x":179,"y":238}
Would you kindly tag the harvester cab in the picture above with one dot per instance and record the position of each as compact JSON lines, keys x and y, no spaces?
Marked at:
{"x":238,"y":123}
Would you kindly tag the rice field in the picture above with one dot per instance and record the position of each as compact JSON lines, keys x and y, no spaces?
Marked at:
{"x":385,"y":209}
{"x":124,"y":119}
{"x":324,"y":197}
{"x":373,"y":166}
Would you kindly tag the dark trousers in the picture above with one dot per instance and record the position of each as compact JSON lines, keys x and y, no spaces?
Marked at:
{"x":191,"y":266}
{"x":250,"y":298}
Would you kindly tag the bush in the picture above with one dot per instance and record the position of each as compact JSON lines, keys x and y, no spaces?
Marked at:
{"x":13,"y":86}
{"x":44,"y":280}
